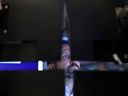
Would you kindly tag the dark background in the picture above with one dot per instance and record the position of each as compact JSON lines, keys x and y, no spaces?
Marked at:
{"x":100,"y":83}
{"x":35,"y":21}
{"x":32,"y":83}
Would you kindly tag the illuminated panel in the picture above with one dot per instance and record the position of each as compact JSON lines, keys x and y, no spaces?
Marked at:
{"x":10,"y":62}
{"x":18,"y":65}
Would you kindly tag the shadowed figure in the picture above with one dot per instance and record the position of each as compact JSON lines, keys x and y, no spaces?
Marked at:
{"x":65,"y":63}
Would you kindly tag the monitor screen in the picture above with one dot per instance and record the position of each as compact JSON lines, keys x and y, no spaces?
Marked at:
{"x":89,"y":21}
{"x":38,"y":21}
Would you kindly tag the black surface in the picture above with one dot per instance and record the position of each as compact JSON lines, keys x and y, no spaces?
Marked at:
{"x":103,"y":51}
{"x":125,"y":2}
{"x":28,"y":83}
{"x":90,"y":20}
{"x":100,"y":83}
{"x":120,"y":3}
{"x":38,"y":20}
{"x":4,"y":84}
{"x":18,"y":51}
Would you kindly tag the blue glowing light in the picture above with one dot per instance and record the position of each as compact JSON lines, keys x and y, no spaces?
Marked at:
{"x":18,"y":65}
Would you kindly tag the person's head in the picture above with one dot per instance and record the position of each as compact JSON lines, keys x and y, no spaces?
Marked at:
{"x":66,"y":54}
{"x":65,"y":60}
{"x":1,"y":8}
{"x":65,"y":51}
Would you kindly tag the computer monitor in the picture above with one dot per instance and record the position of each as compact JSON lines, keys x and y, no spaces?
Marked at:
{"x":36,"y":20}
{"x":100,"y":83}
{"x":32,"y":83}
{"x":90,"y":20}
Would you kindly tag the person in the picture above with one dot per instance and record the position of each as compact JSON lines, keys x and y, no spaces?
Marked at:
{"x":65,"y":63}
{"x":1,"y":8}
{"x":66,"y":57}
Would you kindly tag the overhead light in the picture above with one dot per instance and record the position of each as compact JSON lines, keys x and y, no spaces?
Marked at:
{"x":65,"y":38}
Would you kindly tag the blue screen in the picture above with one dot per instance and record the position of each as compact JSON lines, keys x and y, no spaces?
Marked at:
{"x":18,"y":65}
